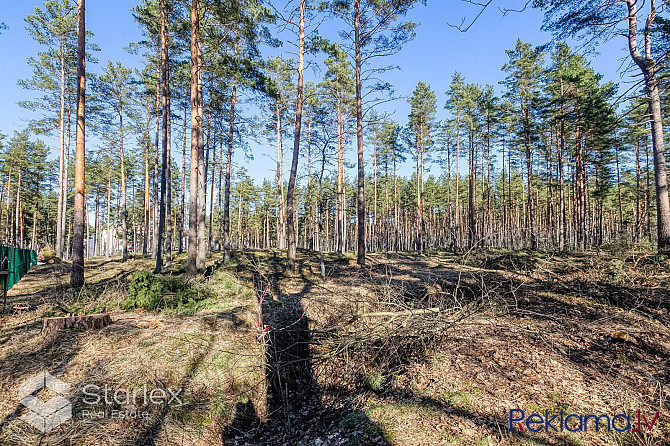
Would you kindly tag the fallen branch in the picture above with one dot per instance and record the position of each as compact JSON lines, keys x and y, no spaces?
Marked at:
{"x":402,"y":313}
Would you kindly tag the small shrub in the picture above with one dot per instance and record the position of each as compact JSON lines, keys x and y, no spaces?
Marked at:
{"x":616,"y":271}
{"x":374,"y":382}
{"x":155,"y":292}
{"x":514,"y":261}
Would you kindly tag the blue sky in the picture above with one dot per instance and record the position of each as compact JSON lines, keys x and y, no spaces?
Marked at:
{"x":437,"y":51}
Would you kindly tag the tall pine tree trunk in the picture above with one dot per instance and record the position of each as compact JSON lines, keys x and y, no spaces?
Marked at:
{"x":529,"y":174}
{"x":182,"y":219}
{"x":17,"y":236}
{"x":156,"y":194}
{"x":649,"y":68}
{"x":281,"y":220}
{"x":147,"y":186}
{"x":290,"y":221}
{"x":212,"y":183}
{"x":196,"y":131}
{"x":165,"y":142}
{"x":202,"y":183}
{"x":77,"y":274}
{"x":229,"y":159}
{"x":359,"y":137}
{"x":124,"y":223}
{"x":66,"y":175}
{"x":62,"y":187}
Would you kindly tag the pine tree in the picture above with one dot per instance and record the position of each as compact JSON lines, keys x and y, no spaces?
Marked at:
{"x":338,"y":83}
{"x":523,"y":82}
{"x":115,"y":88}
{"x":240,"y":65}
{"x":164,"y":207}
{"x":79,"y":220}
{"x":421,"y":123}
{"x":54,"y":27}
{"x":455,"y":105}
{"x":290,"y":221}
{"x":601,"y":21}
{"x":194,"y":263}
{"x":374,"y":31}
{"x":470,"y":100}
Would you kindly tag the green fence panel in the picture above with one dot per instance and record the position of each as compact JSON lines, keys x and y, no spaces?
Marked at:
{"x":17,"y":262}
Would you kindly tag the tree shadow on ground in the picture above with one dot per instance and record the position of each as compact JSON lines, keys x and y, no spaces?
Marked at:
{"x":487,"y":422}
{"x":294,"y":401}
{"x":150,"y":433}
{"x":51,"y":357}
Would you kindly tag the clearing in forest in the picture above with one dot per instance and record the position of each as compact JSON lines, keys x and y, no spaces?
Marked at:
{"x":409,"y":350}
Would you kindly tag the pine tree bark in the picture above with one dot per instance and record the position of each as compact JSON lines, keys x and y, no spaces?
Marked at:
{"x":472,"y":184}
{"x":638,"y":206}
{"x":108,"y":244}
{"x":310,"y":200}
{"x":165,"y":143}
{"x":167,"y":239}
{"x":96,"y":240}
{"x":182,"y":219}
{"x":212,"y":183}
{"x":77,"y":274}
{"x":156,"y":188}
{"x":562,"y":218}
{"x":16,"y":237}
{"x":202,"y":185}
{"x":529,"y":173}
{"x":196,"y":131}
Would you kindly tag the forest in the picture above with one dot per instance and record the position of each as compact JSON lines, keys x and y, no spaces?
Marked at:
{"x":374,"y":250}
{"x":559,"y":160}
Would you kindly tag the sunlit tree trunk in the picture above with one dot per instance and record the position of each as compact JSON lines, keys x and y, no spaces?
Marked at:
{"x":196,"y":132}
{"x":77,"y":274}
{"x":359,"y":138}
{"x":165,"y":142}
{"x":182,"y":219}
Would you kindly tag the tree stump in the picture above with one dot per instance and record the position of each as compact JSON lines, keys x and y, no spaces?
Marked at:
{"x":92,"y":321}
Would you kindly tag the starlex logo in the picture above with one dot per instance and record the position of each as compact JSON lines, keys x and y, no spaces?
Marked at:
{"x":45,"y":415}
{"x":579,"y":422}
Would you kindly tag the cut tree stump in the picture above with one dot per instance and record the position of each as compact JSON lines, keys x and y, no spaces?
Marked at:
{"x":92,"y":321}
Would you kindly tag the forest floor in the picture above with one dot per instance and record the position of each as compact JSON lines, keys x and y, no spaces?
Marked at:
{"x":409,"y":350}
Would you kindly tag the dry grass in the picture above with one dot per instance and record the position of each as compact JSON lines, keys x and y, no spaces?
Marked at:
{"x":584,"y":333}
